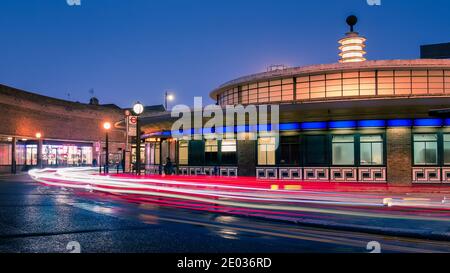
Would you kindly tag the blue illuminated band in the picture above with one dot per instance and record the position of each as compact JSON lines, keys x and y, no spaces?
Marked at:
{"x":324,"y":125}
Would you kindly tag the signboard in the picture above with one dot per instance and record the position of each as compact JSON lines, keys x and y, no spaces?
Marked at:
{"x":132,"y":126}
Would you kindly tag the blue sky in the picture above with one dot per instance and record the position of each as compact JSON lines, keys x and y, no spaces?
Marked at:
{"x":128,"y":50}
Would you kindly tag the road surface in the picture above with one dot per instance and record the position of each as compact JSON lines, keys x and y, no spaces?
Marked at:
{"x":42,"y":219}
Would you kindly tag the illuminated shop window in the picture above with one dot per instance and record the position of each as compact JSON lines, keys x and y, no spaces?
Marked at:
{"x":343,"y":152}
{"x":183,"y":152}
{"x":21,"y":155}
{"x":168,"y":150}
{"x":425,"y":149}
{"x":67,"y":155}
{"x":157,"y":154}
{"x":371,"y":150}
{"x":266,"y":150}
{"x":31,"y":156}
{"x":153,"y":152}
{"x":114,"y":157}
{"x":5,"y":154}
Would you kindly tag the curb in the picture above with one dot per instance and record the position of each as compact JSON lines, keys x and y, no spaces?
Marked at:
{"x":397,"y":232}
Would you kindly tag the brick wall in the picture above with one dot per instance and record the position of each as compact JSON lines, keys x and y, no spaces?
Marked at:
{"x":399,"y":156}
{"x":24,"y":114}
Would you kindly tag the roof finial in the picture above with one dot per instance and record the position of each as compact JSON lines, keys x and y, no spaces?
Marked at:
{"x":352,"y":46}
{"x":351,"y":21}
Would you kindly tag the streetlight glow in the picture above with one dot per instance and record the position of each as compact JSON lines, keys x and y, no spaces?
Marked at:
{"x":138,"y":108}
{"x":168,"y":97}
{"x":107,"y":125}
{"x":38,"y":135}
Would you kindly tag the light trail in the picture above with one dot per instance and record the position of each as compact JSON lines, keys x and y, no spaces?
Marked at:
{"x":249,"y":196}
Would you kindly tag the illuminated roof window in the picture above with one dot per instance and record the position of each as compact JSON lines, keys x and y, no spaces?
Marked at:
{"x":352,"y":46}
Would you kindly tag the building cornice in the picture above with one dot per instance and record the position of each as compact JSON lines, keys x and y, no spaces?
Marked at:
{"x":330,"y":68}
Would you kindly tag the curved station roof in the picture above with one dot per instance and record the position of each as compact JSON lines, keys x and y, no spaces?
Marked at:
{"x":386,"y":78}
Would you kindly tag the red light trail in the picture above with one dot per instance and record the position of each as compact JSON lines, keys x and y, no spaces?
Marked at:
{"x":273,"y":199}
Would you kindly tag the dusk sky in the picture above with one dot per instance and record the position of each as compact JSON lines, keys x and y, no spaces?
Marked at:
{"x":128,"y":50}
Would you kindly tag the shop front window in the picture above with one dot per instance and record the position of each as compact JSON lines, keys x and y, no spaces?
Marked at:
{"x":21,"y":156}
{"x":183,"y":152}
{"x":447,"y":149}
{"x":66,"y":155}
{"x":229,"y":149}
{"x":316,"y":150}
{"x":133,"y":153}
{"x":5,"y":154}
{"x":425,"y":149}
{"x":266,"y":151}
{"x":289,"y":150}
{"x":371,"y":150}
{"x":343,"y":150}
{"x":31,"y":157}
{"x":152,"y":153}
{"x":211,"y":151}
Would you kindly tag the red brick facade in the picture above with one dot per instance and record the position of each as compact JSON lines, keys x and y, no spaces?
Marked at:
{"x":23,"y":114}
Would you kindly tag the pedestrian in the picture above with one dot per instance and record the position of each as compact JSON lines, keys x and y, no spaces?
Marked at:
{"x":168,"y":168}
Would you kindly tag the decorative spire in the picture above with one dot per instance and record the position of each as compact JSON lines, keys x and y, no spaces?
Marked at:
{"x":352,"y":46}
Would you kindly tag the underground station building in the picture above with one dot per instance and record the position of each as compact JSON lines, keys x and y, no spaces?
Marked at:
{"x":353,"y":121}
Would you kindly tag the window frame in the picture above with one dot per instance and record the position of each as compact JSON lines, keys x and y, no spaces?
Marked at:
{"x":383,"y":150}
{"x":438,"y":152}
{"x":355,"y":158}
{"x":266,"y":163}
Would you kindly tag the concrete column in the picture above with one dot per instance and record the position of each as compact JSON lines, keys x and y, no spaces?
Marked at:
{"x":246,"y":157}
{"x":399,"y":156}
{"x":13,"y":156}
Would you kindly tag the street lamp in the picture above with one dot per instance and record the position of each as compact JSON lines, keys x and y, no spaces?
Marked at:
{"x":39,"y":150}
{"x":138,"y":109}
{"x":168,"y":97}
{"x":107,"y":127}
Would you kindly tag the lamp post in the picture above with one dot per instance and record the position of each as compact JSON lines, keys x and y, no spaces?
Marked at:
{"x":168,"y":97}
{"x":107,"y":127}
{"x":138,"y":109}
{"x":39,"y":150}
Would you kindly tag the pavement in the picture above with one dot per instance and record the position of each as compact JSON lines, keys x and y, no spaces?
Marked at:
{"x":41,"y":219}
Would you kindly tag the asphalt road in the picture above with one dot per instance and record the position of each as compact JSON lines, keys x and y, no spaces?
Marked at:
{"x":36,"y":218}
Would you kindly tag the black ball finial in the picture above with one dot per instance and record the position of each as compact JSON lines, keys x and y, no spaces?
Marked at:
{"x":351,"y":21}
